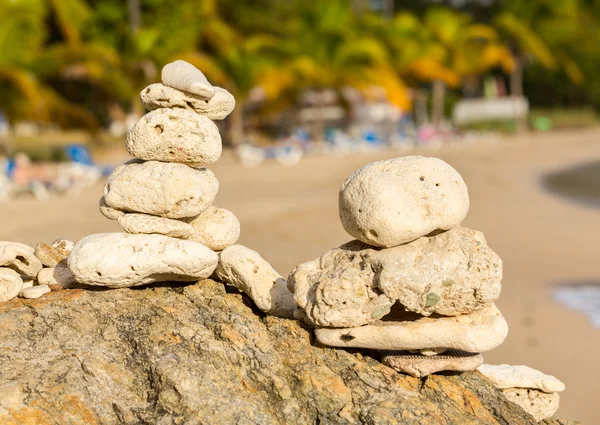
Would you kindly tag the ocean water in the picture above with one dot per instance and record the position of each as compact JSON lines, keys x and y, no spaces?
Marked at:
{"x":583,"y":298}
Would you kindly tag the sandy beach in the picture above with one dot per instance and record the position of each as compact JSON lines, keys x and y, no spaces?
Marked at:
{"x":290,"y":216}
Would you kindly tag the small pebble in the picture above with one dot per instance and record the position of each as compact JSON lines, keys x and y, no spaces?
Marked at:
{"x":35,"y":291}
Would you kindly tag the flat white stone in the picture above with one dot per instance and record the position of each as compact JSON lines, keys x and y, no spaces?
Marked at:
{"x":119,"y":260}
{"x":477,"y":332}
{"x":136,"y":223}
{"x":108,"y":211}
{"x":162,"y":189}
{"x":11,"y":284}
{"x":391,"y":202}
{"x":511,"y":376}
{"x":185,"y":76}
{"x":59,"y":275}
{"x":538,"y":404}
{"x":253,"y":275}
{"x":19,"y":257}
{"x":158,"y":95}
{"x":35,"y":291}
{"x":175,"y":135}
{"x":217,"y":228}
{"x":419,"y":366}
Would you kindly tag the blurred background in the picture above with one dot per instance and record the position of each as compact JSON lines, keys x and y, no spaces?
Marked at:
{"x":506,"y":91}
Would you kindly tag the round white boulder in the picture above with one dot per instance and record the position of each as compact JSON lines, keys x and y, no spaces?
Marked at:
{"x":159,"y":188}
{"x":175,"y":135}
{"x":120,"y":260}
{"x":217,"y":228}
{"x":388,"y":203}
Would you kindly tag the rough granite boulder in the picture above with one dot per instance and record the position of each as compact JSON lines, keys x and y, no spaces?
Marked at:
{"x":198,"y":355}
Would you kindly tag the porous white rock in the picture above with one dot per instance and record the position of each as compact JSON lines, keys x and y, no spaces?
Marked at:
{"x":538,"y":404}
{"x":119,"y":260}
{"x":159,"y":188}
{"x":175,"y":135}
{"x":11,"y":284}
{"x":217,"y":228}
{"x":136,"y":223}
{"x":451,"y":273}
{"x":419,"y":366}
{"x":518,"y":376}
{"x":19,"y":257}
{"x":48,"y":255}
{"x":158,"y":95}
{"x":183,"y":75}
{"x":108,"y":211}
{"x":391,"y":202}
{"x":477,"y":332}
{"x":245,"y":269}
{"x":35,"y":291}
{"x":339,"y":288}
{"x":64,"y":246}
{"x":59,"y":275}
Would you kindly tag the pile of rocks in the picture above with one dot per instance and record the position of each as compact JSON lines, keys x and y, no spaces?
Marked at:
{"x":415,"y":285}
{"x":31,"y":273}
{"x":534,"y":391}
{"x":164,"y":198}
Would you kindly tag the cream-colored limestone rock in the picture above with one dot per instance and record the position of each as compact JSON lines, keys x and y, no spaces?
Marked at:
{"x":11,"y":284}
{"x":339,"y":288}
{"x":28,"y":283}
{"x":48,"y":255}
{"x":162,"y":189}
{"x":59,"y":275}
{"x":477,"y":332}
{"x":19,"y":257}
{"x":64,"y":246}
{"x":35,"y":291}
{"x":217,"y":228}
{"x":253,"y":275}
{"x":184,"y":76}
{"x":537,"y":403}
{"x":419,"y":366}
{"x":108,"y":211}
{"x":119,"y":260}
{"x":451,"y":273}
{"x":136,"y":223}
{"x":518,"y":376}
{"x":175,"y":135}
{"x":218,"y":107}
{"x":391,"y":202}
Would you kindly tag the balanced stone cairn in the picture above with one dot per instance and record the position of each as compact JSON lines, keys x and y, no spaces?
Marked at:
{"x":164,"y":198}
{"x":534,"y":391}
{"x":415,"y":285}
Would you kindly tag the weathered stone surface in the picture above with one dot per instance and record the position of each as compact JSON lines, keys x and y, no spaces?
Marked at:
{"x":19,"y":257}
{"x":513,"y":376}
{"x":217,"y":228}
{"x":419,"y":365}
{"x":64,"y":246}
{"x":35,"y":291}
{"x":451,"y":273}
{"x":11,"y":284}
{"x":391,"y":202}
{"x":136,"y":223}
{"x":198,"y":355}
{"x":48,"y":255}
{"x":108,"y":211}
{"x":253,"y":275}
{"x":160,"y":96}
{"x":60,"y":275}
{"x":339,"y":288}
{"x":175,"y":135}
{"x":121,"y":260}
{"x":538,"y":404}
{"x":185,"y":76}
{"x":477,"y":332}
{"x":159,"y":188}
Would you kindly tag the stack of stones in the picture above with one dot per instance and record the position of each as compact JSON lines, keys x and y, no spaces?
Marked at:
{"x":415,"y":285}
{"x":534,"y":391}
{"x":31,"y":273}
{"x":163,"y":200}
